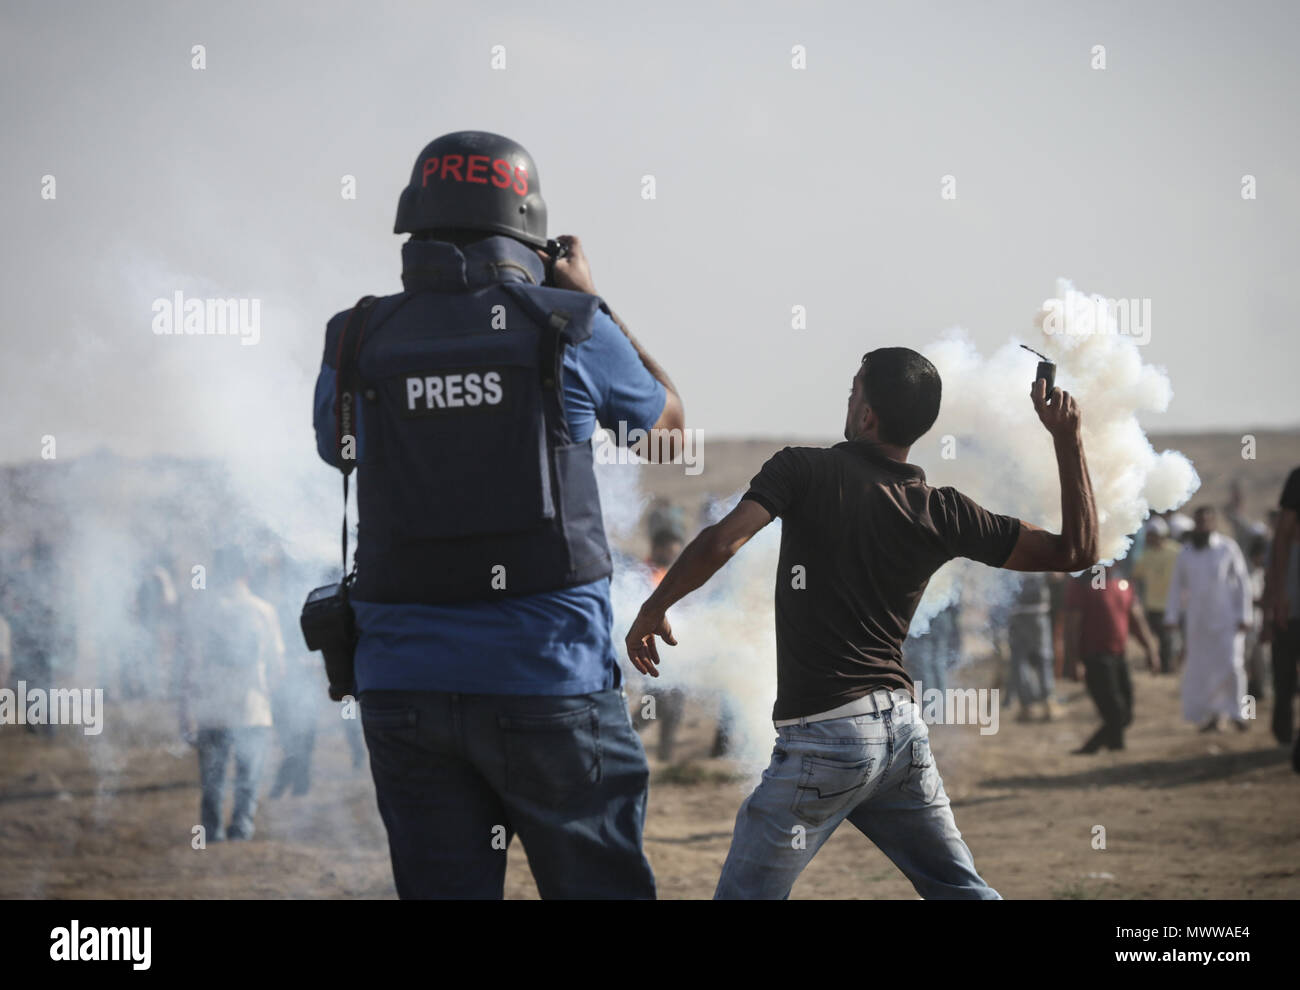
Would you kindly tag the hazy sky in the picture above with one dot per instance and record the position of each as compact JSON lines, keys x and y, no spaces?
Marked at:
{"x":776,"y":187}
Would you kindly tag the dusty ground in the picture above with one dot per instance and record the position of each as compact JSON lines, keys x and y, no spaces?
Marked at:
{"x":1186,"y":816}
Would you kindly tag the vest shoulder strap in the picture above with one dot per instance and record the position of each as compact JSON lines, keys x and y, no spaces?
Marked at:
{"x":565,"y":312}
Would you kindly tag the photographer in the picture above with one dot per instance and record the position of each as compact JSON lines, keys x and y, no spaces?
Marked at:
{"x":489,"y":688}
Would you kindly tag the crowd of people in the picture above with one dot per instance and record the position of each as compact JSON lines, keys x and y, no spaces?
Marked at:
{"x":1211,"y":598}
{"x":220,"y":648}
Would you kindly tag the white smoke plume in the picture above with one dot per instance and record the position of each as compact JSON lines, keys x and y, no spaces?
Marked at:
{"x":988,"y":442}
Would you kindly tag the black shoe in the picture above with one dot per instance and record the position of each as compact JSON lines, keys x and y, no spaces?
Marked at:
{"x":1211,"y":726}
{"x":1093,"y":745}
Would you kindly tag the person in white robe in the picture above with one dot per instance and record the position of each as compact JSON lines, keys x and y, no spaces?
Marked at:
{"x":1211,"y":592}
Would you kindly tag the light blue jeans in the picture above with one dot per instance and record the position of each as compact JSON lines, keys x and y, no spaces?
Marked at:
{"x":877,"y":771}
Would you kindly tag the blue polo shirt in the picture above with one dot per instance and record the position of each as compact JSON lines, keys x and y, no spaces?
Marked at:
{"x":554,"y":643}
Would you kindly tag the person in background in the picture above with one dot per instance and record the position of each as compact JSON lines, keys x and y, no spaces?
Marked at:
{"x":1180,"y":528}
{"x":1210,"y":592}
{"x":1256,"y":649}
{"x":28,"y":602}
{"x":1137,"y":546}
{"x":665,"y":545}
{"x":1241,"y":529}
{"x":1282,"y":613}
{"x":299,"y":698}
{"x":232,"y":654}
{"x":1101,"y":613}
{"x":1152,"y":574}
{"x":1056,"y":585}
{"x":1029,"y":640}
{"x":146,"y":669}
{"x":927,"y":656}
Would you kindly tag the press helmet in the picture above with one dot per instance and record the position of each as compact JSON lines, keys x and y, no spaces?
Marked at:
{"x":476,"y":181}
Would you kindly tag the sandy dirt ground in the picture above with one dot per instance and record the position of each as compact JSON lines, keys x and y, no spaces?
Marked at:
{"x":1186,"y":815}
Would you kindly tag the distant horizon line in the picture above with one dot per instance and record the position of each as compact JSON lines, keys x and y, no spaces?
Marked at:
{"x":720,"y":438}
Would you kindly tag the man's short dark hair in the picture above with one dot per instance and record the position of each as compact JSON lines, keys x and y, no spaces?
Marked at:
{"x":903,"y":389}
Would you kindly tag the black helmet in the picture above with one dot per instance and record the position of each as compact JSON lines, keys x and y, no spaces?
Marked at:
{"x":477,"y":181}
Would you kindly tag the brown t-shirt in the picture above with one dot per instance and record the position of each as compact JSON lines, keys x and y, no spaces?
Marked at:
{"x":861,"y":534}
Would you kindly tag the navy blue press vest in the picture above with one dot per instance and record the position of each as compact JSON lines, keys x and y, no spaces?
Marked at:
{"x":470,"y":486}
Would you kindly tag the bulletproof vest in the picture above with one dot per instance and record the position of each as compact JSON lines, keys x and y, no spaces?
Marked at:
{"x":470,"y":486}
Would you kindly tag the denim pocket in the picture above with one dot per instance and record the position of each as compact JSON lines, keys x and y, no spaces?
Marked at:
{"x":827,"y":787}
{"x":550,"y":757}
{"x":922,"y":775}
{"x":392,"y":740}
{"x":382,"y":719}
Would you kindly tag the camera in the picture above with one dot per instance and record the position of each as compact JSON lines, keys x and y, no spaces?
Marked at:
{"x":328,"y":625}
{"x":554,"y":251}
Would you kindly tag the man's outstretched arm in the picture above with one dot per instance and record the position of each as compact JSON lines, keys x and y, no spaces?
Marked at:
{"x":698,"y":562}
{"x":1075,"y":547}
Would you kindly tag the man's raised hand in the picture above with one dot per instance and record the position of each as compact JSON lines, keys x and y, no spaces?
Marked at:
{"x":1061,"y":416}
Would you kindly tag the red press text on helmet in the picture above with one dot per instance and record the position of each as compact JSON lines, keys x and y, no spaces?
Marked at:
{"x":475,"y":168}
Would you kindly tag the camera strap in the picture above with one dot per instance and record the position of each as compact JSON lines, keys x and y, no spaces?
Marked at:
{"x":345,"y":399}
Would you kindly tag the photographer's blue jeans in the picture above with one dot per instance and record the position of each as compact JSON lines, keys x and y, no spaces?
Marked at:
{"x":874,"y":770}
{"x":457,"y":776}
